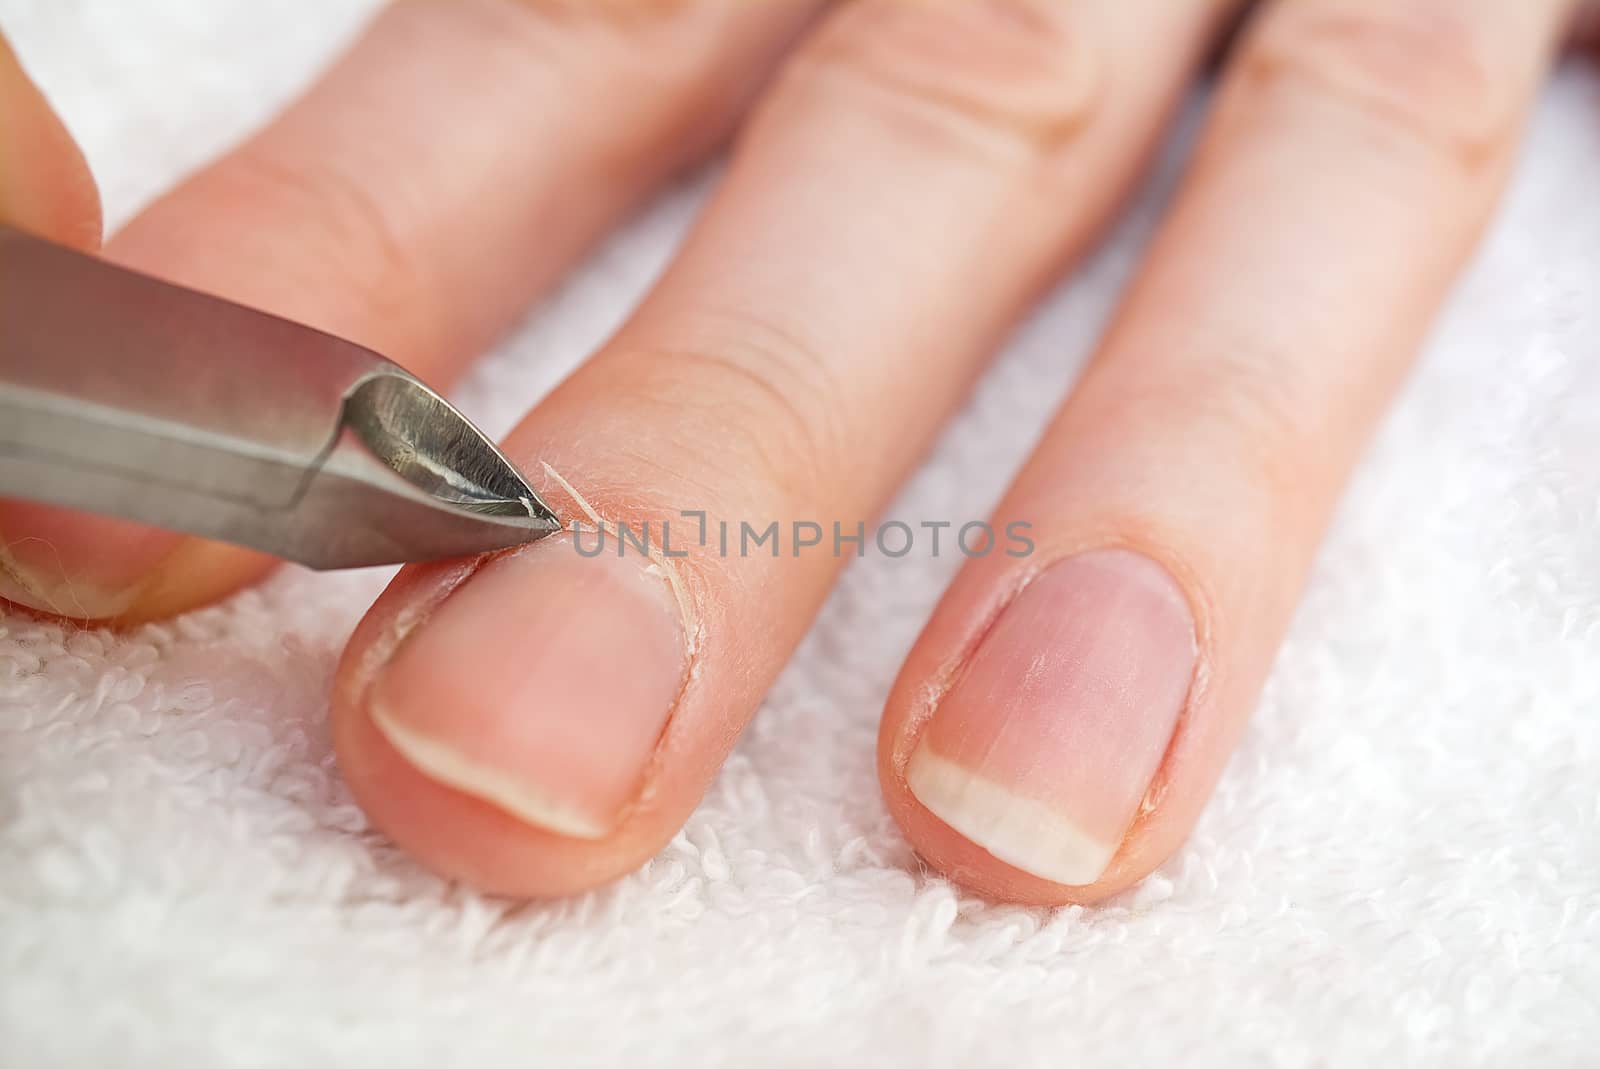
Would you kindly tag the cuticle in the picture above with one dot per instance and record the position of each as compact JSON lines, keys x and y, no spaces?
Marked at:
{"x":686,"y":598}
{"x":1200,"y":609}
{"x":409,"y":619}
{"x":952,"y":669}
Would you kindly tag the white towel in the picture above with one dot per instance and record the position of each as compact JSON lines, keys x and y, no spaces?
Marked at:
{"x":1401,"y":866}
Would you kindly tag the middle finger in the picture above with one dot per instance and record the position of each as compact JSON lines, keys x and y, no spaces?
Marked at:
{"x":544,"y":721}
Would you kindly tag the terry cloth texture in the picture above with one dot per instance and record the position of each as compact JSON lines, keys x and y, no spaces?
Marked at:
{"x":1401,"y":865}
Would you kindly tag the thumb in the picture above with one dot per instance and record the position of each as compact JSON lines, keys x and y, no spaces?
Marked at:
{"x":45,"y":185}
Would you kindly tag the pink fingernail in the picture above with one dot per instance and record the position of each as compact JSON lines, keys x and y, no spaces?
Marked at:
{"x":89,"y":567}
{"x":1043,"y":750}
{"x":541,"y":685}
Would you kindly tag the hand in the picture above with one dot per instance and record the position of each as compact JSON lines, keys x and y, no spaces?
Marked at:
{"x":543,"y":720}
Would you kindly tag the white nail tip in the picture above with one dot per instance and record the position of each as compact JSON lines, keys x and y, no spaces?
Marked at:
{"x":444,"y":764}
{"x":64,"y":598}
{"x":1023,"y":833}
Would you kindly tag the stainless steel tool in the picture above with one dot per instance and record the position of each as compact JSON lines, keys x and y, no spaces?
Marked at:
{"x":128,"y":396}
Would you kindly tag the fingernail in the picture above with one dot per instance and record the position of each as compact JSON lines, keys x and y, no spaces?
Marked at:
{"x":86,"y":567}
{"x":1042,"y":751}
{"x":541,"y":685}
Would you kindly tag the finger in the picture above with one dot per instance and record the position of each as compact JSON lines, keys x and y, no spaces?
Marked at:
{"x":45,"y":187}
{"x":435,"y":180}
{"x":1062,"y":720}
{"x":545,"y":721}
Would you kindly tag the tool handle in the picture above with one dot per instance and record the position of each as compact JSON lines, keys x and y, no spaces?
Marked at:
{"x":124,"y":395}
{"x":104,"y":368}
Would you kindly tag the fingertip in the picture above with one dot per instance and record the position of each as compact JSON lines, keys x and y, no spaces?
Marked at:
{"x":1088,"y":871}
{"x":449,"y":831}
{"x":469,"y":770}
{"x":107,"y":571}
{"x":1029,"y":764}
{"x":196,"y":573}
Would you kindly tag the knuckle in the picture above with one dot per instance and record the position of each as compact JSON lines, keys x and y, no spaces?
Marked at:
{"x":669,"y":68}
{"x":355,"y":244}
{"x":964,"y":71}
{"x":758,"y":409}
{"x":1268,"y":417}
{"x":1249,"y":405}
{"x":606,"y":28}
{"x":659,"y":54}
{"x":1421,"y":71}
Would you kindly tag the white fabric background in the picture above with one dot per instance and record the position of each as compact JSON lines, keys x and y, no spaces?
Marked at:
{"x":1402,"y":864}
